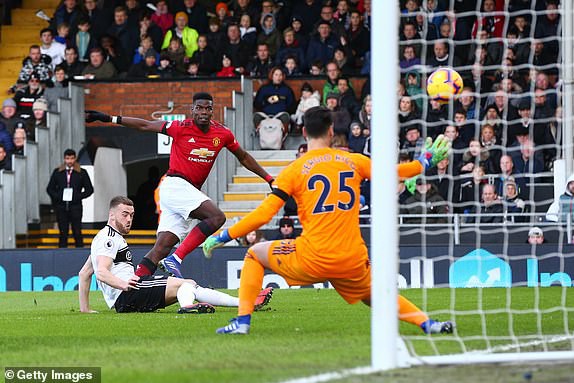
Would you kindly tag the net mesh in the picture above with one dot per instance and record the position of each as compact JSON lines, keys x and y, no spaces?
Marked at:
{"x":500,"y":254}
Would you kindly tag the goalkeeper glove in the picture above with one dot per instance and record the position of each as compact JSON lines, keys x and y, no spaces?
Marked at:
{"x":434,"y":152}
{"x":214,"y":242}
{"x":411,"y":184}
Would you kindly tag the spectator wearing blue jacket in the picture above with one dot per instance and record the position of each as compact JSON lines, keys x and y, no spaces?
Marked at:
{"x":322,"y":46}
{"x":275,"y":97}
{"x":6,"y":139}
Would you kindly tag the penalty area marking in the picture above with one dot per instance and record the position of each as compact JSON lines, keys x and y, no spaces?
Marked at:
{"x":333,"y":375}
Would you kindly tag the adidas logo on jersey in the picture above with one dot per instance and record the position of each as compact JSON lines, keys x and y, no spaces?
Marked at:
{"x":191,"y":140}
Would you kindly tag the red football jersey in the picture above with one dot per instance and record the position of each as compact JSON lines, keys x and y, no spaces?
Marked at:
{"x":193,"y":152}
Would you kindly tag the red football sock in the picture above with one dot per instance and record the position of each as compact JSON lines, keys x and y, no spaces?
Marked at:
{"x":142,"y":271}
{"x":193,"y":239}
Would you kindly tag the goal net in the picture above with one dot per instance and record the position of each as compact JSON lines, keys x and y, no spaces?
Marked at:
{"x":485,"y":238}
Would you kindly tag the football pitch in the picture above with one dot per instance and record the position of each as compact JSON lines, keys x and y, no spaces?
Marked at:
{"x":303,"y":332}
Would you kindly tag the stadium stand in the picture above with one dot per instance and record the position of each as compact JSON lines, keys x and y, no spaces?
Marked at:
{"x":506,"y":51}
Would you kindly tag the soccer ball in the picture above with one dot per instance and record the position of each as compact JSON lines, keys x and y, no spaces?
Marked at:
{"x":443,"y":84}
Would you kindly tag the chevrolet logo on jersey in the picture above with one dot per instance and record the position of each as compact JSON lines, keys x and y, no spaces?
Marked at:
{"x":203,"y":152}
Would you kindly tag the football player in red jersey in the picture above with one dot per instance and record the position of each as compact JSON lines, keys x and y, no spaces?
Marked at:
{"x":196,"y":144}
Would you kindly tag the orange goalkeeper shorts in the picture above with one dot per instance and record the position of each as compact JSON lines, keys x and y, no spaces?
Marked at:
{"x":284,"y":259}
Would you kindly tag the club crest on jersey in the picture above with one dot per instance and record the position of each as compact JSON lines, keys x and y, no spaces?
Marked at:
{"x":203,"y":152}
{"x":129,"y":256}
{"x":216,"y":141}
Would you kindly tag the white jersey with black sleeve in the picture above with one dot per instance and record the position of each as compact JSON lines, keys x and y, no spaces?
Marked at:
{"x":110,"y":243}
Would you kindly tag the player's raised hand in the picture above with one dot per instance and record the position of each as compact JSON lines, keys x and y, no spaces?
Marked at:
{"x":92,"y":115}
{"x":434,"y":152}
{"x":215,"y":241}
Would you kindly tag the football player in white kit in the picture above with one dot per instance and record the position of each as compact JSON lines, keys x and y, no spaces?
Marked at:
{"x":111,"y":260}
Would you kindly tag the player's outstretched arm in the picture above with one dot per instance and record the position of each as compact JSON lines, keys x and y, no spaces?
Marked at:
{"x":250,"y":163}
{"x":434,"y":152}
{"x":128,"y":122}
{"x":84,"y":281}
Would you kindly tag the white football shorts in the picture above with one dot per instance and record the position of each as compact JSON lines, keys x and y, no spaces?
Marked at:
{"x":177,"y":199}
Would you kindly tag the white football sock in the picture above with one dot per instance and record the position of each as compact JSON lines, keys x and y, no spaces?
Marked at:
{"x":186,"y":294}
{"x":214,"y":297}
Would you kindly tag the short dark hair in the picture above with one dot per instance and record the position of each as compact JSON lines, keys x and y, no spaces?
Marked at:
{"x":69,"y":152}
{"x":46,"y":30}
{"x":202,"y":96}
{"x":317,"y":119}
{"x":120,"y":200}
{"x":286,"y":221}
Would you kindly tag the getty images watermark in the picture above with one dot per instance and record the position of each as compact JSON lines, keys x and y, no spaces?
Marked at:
{"x":53,"y":374}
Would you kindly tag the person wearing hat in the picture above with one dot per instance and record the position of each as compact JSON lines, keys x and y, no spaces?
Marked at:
{"x":322,"y":45}
{"x":26,"y":96}
{"x":166,"y":67}
{"x":301,"y":35}
{"x":38,"y":120}
{"x":426,"y":200}
{"x":8,"y":117}
{"x":522,"y":126}
{"x":512,"y":202}
{"x":286,"y":229}
{"x":536,"y":236}
{"x":223,"y":14}
{"x":187,"y":34}
{"x":147,"y":68}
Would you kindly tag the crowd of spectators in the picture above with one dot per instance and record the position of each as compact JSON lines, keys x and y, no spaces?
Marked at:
{"x":505,"y":126}
{"x":178,"y":39}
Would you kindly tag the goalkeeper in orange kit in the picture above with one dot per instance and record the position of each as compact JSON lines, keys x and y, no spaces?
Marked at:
{"x":325,"y":185}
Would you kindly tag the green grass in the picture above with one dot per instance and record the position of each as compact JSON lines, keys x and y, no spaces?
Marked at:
{"x":305,"y":332}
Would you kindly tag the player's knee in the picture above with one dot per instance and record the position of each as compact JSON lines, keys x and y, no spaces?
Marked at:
{"x":217,"y":220}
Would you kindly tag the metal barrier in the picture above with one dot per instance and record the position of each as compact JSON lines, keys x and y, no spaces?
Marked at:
{"x":8,"y":233}
{"x":23,"y":189}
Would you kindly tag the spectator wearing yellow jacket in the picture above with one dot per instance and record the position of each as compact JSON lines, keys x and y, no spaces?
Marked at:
{"x":187,"y":34}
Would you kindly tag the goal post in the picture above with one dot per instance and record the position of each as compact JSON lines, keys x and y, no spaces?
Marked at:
{"x":524,"y":320}
{"x":384,"y":248}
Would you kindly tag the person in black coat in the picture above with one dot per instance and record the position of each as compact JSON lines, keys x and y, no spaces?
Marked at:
{"x":68,"y":186}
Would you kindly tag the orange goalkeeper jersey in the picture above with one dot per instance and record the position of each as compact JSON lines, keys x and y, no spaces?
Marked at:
{"x":325,"y":184}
